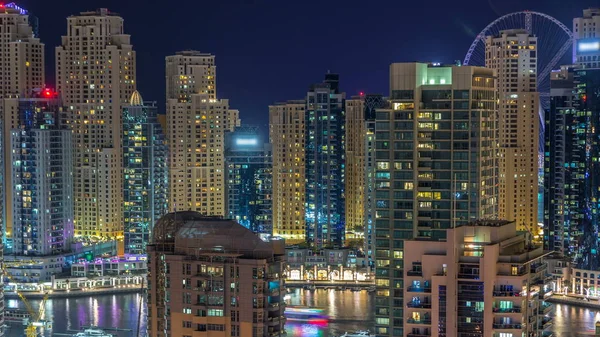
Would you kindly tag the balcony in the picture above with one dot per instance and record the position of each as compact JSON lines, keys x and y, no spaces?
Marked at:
{"x":545,"y":323}
{"x":545,"y":308}
{"x":468,"y":276}
{"x":418,"y":290}
{"x":273,"y":306}
{"x":514,"y":310}
{"x":506,"y":293}
{"x":500,"y":326}
{"x":418,"y":305}
{"x":426,"y":321}
{"x":414,"y":273}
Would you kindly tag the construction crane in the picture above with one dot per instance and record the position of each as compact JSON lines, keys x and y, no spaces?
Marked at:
{"x":36,"y":318}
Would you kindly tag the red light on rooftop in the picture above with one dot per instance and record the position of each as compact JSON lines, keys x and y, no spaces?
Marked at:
{"x":48,"y":93}
{"x":361,"y":93}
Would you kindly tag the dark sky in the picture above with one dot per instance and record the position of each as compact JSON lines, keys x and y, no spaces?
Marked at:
{"x":268,"y":51}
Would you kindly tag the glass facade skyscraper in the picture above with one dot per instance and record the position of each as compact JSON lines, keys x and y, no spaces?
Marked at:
{"x":325,"y":163}
{"x":145,"y":173}
{"x":40,"y":171}
{"x":249,"y":176}
{"x":435,"y":168}
{"x":573,"y":170}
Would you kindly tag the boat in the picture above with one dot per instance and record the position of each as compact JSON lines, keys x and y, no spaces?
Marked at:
{"x":358,"y":333}
{"x":305,"y":314}
{"x":371,"y":289}
{"x":93,"y":332}
{"x":356,"y":289}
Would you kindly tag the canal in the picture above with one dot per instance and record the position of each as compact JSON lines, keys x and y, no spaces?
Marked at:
{"x":347,"y":311}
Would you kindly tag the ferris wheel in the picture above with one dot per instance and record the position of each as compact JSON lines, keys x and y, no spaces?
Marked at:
{"x":554,"y":39}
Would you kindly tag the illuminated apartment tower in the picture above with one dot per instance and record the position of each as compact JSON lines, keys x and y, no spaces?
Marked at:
{"x":586,"y":35}
{"x":325,"y":163}
{"x":286,"y":134}
{"x":435,"y":168}
{"x":513,"y":55}
{"x":21,"y":53}
{"x":214,"y":277}
{"x":144,"y":172}
{"x":95,"y":69}
{"x":359,"y":188}
{"x":196,"y":124}
{"x":40,"y":168}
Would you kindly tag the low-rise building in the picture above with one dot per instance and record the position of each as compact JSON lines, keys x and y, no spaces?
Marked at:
{"x":213,"y":277}
{"x":484,"y":280}
{"x":115,"y":266}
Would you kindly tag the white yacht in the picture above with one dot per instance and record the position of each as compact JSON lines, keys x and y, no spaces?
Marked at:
{"x":93,"y":333}
{"x":359,"y":333}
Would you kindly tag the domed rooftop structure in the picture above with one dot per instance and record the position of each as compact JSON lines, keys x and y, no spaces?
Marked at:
{"x":193,"y":231}
{"x":136,"y":99}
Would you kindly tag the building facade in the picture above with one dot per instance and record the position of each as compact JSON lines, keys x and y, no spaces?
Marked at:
{"x":196,"y":126}
{"x":286,"y":135}
{"x":40,"y":167}
{"x":586,"y":36}
{"x":145,"y":173}
{"x":513,"y":55}
{"x":560,"y":231}
{"x":21,"y":53}
{"x":485,"y":280}
{"x":249,"y":176}
{"x":95,"y":75}
{"x":435,"y":167}
{"x":208,"y":275}
{"x":325,"y":163}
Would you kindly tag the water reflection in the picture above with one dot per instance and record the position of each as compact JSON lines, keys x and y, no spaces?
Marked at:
{"x":347,"y":311}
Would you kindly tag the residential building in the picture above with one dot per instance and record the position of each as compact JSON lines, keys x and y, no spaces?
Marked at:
{"x":561,"y":217}
{"x":209,"y":275}
{"x":21,"y":53}
{"x":286,"y":134}
{"x":513,"y":55}
{"x":435,"y":167}
{"x":145,"y":172}
{"x":249,"y":176}
{"x":586,"y":39}
{"x":486,"y":279}
{"x":325,"y":163}
{"x":196,"y":126}
{"x":360,"y":174}
{"x":39,"y":165}
{"x":96,"y":76}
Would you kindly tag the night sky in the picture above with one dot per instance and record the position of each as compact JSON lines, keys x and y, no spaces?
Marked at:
{"x":269,"y":51}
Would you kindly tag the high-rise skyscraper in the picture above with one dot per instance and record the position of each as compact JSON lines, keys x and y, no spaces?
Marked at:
{"x":95,"y":70}
{"x":249,"y":177}
{"x":435,"y":167}
{"x":573,"y":215}
{"x":21,"y":53}
{"x":586,"y":36}
{"x":560,"y":231}
{"x":286,"y":134}
{"x":145,"y":172}
{"x":196,"y":125}
{"x":325,"y":163}
{"x":513,"y":55}
{"x":359,"y":182}
{"x":39,"y":171}
{"x":214,"y":277}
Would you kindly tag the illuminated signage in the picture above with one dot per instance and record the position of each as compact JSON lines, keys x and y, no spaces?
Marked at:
{"x":588,"y":46}
{"x":246,"y":141}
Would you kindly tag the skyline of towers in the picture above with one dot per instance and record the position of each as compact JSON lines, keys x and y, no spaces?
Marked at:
{"x":513,"y":55}
{"x":435,"y":168}
{"x":145,"y":175}
{"x":325,"y":163}
{"x":95,"y":77}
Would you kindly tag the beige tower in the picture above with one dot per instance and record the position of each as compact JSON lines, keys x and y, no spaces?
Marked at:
{"x":21,"y":54}
{"x":286,"y":132}
{"x":356,"y":133}
{"x":196,"y":123}
{"x":513,"y":55}
{"x":95,"y":69}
